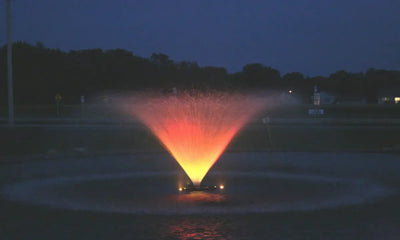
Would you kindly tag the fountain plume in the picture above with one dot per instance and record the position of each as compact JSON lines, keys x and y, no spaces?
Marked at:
{"x":195,"y":127}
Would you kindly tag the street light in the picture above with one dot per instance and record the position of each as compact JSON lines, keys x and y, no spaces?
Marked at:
{"x":9,"y":66}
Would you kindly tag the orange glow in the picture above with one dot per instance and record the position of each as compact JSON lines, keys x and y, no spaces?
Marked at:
{"x":200,"y":197}
{"x":180,"y":189}
{"x":221,"y":187}
{"x":195,"y":128}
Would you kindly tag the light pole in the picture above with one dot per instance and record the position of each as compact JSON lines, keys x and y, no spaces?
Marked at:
{"x":9,"y":67}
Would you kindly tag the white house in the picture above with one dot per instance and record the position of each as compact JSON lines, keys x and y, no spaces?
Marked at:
{"x":322,"y":98}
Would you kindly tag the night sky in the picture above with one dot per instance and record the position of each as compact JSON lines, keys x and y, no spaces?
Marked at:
{"x":315,"y":37}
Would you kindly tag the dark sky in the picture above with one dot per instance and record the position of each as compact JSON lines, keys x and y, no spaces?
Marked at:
{"x":315,"y":37}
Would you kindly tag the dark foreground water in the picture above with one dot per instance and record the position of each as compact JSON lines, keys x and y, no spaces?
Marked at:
{"x":267,"y":196}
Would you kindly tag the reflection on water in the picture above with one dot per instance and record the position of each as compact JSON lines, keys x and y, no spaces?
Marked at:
{"x":191,"y":228}
{"x":201,"y":198}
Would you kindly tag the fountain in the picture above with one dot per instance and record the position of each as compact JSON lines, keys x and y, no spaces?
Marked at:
{"x":195,"y":127}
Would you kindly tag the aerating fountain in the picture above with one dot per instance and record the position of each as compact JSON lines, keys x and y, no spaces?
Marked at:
{"x":195,"y":127}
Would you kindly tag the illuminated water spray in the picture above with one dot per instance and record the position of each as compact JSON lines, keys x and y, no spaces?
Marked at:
{"x":195,"y":128}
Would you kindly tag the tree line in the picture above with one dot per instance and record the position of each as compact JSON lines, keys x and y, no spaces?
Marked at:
{"x":40,"y":73}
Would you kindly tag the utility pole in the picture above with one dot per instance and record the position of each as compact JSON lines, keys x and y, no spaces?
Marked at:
{"x":9,"y":67}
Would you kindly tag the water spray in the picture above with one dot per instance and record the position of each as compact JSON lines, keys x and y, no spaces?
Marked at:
{"x":195,"y":127}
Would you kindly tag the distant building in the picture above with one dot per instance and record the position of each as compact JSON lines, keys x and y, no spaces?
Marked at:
{"x":389,"y":96}
{"x":323,"y":98}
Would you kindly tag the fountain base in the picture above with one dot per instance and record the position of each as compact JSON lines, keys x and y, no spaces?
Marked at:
{"x":202,"y":188}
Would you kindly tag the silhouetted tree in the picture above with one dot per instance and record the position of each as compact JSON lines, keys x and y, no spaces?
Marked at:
{"x":41,"y":72}
{"x":258,"y":76}
{"x":292,"y":80}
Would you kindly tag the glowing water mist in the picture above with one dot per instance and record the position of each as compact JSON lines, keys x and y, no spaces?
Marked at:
{"x":195,"y":127}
